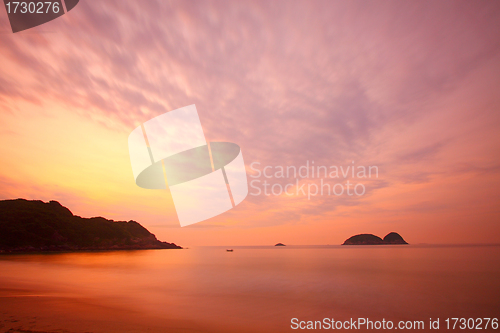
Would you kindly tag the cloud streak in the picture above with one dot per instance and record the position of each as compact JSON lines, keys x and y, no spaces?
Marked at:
{"x":409,"y":87}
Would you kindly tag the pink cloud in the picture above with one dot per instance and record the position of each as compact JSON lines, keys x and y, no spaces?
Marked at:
{"x":398,"y":85}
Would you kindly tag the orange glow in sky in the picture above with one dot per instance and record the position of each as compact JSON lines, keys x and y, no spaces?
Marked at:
{"x":411,"y":88}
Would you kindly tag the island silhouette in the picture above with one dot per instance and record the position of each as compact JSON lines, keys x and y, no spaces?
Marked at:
{"x":37,"y":226}
{"x":392,"y":238}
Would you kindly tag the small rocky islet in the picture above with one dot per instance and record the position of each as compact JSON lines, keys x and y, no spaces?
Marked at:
{"x":392,"y":238}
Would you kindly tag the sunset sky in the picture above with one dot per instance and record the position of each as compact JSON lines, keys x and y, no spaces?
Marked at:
{"x":409,"y":87}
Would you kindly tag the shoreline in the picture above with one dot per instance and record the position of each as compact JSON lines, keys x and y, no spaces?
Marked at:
{"x":11,"y":252}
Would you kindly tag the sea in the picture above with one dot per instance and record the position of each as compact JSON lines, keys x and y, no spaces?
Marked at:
{"x":281,"y":289}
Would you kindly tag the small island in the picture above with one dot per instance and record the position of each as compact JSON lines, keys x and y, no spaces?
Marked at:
{"x":37,"y":226}
{"x":392,"y":238}
{"x":280,"y":244}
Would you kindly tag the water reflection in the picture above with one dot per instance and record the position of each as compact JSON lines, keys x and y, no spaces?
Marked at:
{"x":263,"y":288}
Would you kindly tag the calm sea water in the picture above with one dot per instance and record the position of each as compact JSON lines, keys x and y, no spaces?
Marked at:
{"x":262,"y":288}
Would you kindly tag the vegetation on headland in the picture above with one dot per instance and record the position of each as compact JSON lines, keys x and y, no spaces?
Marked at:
{"x":36,"y":226}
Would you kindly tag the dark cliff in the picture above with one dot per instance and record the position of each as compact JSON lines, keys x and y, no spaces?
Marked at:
{"x":36,"y":226}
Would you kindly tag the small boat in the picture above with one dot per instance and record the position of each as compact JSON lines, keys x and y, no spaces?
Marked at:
{"x":229,"y":250}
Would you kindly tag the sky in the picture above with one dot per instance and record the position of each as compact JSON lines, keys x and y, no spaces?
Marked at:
{"x":408,"y":87}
